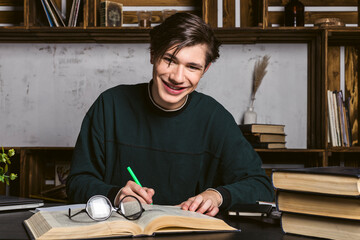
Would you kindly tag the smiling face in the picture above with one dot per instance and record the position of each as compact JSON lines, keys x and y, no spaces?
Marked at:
{"x":175,"y":77}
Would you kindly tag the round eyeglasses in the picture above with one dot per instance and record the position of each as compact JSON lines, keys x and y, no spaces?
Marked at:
{"x":99,"y":208}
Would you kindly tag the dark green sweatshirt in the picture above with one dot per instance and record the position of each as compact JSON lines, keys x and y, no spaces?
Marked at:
{"x":178,"y":154}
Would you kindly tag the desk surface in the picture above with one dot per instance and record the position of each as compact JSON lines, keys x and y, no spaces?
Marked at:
{"x":11,"y":227}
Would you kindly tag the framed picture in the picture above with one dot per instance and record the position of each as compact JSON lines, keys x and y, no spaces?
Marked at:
{"x":111,"y":13}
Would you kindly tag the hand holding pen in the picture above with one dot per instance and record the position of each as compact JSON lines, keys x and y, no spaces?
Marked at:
{"x":134,"y":188}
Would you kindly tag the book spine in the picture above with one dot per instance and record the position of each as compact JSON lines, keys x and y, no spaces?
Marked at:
{"x":47,"y":14}
{"x":77,"y":7}
{"x":57,"y":12}
{"x":347,"y":107}
{"x":341,"y":118}
{"x":70,"y":23}
{"x":102,"y":13}
{"x":331,"y":118}
{"x":338,"y":140}
{"x":52,"y":15}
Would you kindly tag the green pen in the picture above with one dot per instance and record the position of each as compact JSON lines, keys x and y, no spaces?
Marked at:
{"x":133,"y":176}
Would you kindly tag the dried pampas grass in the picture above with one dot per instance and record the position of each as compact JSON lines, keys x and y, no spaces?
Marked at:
{"x":259,"y":73}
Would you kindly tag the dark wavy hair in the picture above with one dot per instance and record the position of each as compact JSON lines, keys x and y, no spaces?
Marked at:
{"x":183,"y":30}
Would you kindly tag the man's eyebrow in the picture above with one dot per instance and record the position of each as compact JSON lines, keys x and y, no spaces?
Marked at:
{"x":170,"y":56}
{"x":190,"y":63}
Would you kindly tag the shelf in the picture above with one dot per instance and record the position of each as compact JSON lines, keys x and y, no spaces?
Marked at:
{"x":344,"y":36}
{"x":74,"y":35}
{"x":344,"y":149}
{"x":141,"y":35}
{"x":290,"y":150}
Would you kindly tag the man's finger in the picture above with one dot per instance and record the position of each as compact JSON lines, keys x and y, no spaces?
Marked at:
{"x":204,"y":206}
{"x":195,"y":204}
{"x":213,"y":212}
{"x":185,"y":205}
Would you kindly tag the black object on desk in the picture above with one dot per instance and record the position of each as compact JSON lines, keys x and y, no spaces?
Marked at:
{"x":251,"y":210}
{"x":14,"y":203}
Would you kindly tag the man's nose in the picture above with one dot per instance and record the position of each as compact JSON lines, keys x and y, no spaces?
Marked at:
{"x":177,"y":74}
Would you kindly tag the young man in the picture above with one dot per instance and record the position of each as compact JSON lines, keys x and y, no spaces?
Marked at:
{"x":184,"y":147}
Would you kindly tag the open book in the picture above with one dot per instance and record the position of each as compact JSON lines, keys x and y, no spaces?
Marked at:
{"x":155,"y":219}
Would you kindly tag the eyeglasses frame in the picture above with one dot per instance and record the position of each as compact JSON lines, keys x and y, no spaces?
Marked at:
{"x":118,"y":210}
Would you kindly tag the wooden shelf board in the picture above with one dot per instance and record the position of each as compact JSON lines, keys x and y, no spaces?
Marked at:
{"x":141,"y":35}
{"x":291,"y":150}
{"x":344,"y":36}
{"x":345,"y":149}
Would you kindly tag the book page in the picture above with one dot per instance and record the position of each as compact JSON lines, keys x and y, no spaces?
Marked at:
{"x":61,"y":219}
{"x":57,"y":225}
{"x":155,"y":211}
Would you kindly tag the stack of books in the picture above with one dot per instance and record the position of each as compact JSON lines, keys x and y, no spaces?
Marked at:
{"x":319,"y":202}
{"x":340,"y":129}
{"x":268,"y":136}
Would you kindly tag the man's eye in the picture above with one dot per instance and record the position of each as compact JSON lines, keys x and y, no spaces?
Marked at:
{"x":194,"y":68}
{"x":167,"y":59}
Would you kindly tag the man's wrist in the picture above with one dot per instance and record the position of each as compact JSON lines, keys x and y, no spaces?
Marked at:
{"x":221,"y":197}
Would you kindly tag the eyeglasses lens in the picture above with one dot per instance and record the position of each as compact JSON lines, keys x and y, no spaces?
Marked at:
{"x":131,"y":207}
{"x":99,"y":208}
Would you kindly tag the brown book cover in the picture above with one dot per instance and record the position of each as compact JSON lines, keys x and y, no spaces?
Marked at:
{"x":321,"y":227}
{"x":318,"y":204}
{"x":262,"y":128}
{"x":327,"y":180}
{"x":265,"y":137}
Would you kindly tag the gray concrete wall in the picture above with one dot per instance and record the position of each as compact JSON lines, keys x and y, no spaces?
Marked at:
{"x":45,"y":89}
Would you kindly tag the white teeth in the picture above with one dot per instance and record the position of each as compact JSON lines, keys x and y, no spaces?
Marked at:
{"x":174,"y":88}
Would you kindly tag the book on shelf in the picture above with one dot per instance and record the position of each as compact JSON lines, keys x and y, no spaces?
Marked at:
{"x":347,"y":114}
{"x":111,"y":13}
{"x":341,"y":112}
{"x":47,"y":13}
{"x":338,"y":120}
{"x":327,"y":180}
{"x":265,"y":137}
{"x":318,"y":204}
{"x":321,"y":227}
{"x":262,"y":128}
{"x":155,"y":219}
{"x":74,"y":13}
{"x":270,"y":145}
{"x":53,"y":14}
{"x":58,"y":14}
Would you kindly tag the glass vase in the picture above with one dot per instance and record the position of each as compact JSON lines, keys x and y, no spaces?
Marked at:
{"x":250,"y":116}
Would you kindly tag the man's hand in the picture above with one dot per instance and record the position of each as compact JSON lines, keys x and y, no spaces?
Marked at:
{"x":144,"y":194}
{"x":206,"y":202}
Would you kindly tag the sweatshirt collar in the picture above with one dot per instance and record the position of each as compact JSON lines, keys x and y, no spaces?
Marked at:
{"x":161,"y":108}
